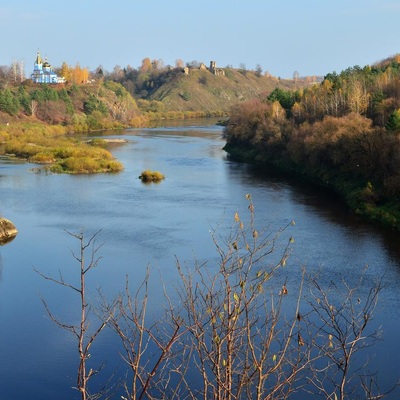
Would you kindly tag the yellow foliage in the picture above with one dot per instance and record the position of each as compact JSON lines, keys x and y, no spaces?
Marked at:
{"x":151,"y":176}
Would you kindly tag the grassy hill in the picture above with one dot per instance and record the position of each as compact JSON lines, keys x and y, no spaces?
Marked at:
{"x":202,"y":91}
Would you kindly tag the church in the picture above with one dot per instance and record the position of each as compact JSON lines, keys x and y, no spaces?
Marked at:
{"x":43,"y":72}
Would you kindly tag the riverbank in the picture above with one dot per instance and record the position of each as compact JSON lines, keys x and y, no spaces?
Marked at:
{"x":48,"y":146}
{"x":55,"y":148}
{"x":361,"y":199}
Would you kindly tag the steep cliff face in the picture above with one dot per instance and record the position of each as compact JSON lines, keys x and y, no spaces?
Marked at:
{"x":7,"y":230}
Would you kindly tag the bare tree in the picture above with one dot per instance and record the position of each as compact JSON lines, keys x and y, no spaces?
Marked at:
{"x":33,"y":106}
{"x":341,"y":329}
{"x":243,"y":345}
{"x":84,"y":337}
{"x":241,"y":329}
{"x":21,"y":66}
{"x":14,"y":69}
{"x":147,"y":344}
{"x":235,"y":336}
{"x":17,"y":70}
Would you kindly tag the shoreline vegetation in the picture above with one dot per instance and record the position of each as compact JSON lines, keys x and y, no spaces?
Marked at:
{"x":343,"y":135}
{"x":50,"y":147}
{"x":56,"y":150}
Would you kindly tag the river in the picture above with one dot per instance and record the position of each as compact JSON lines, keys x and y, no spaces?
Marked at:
{"x":152,"y":224}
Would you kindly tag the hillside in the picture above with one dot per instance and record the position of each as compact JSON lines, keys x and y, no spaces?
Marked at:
{"x":197,"y":88}
{"x":201,"y":90}
{"x":80,"y":107}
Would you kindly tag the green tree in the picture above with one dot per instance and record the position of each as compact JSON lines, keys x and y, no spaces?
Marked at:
{"x":24,"y":99}
{"x":285,"y":98}
{"x":9,"y":103}
{"x":393,"y":123}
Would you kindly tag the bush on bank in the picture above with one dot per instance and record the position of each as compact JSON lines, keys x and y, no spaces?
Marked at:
{"x":347,"y":155}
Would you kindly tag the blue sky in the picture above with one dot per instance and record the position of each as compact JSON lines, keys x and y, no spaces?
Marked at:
{"x":313,"y":37}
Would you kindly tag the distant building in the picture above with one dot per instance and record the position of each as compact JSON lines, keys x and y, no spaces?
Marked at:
{"x":213,"y":69}
{"x":216,"y":71}
{"x":43,"y":72}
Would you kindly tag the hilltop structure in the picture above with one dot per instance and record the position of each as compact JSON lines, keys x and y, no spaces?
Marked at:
{"x":216,"y":71}
{"x":43,"y":72}
{"x":213,"y":69}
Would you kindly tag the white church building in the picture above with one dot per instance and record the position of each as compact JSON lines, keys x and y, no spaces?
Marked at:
{"x":43,"y":72}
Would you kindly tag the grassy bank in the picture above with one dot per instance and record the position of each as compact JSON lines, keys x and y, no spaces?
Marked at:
{"x":48,"y":146}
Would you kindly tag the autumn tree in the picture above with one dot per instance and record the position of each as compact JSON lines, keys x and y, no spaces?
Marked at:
{"x":118,"y":74}
{"x":157,"y":65}
{"x":146,"y":65}
{"x":357,"y":97}
{"x":65,"y":71}
{"x":77,"y":74}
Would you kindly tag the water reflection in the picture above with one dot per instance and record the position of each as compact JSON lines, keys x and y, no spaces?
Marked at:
{"x":7,"y":240}
{"x":326,"y":205}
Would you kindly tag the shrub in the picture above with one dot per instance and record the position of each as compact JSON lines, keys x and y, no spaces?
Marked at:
{"x":43,"y":158}
{"x":151,"y":176}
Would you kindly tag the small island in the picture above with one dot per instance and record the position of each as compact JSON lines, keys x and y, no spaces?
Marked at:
{"x":8,"y":230}
{"x":151,"y":176}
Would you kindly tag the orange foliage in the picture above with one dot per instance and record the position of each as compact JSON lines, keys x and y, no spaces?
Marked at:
{"x":146,"y":65}
{"x":75,"y":74}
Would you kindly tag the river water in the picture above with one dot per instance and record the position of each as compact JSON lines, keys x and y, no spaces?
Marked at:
{"x":152,"y":224}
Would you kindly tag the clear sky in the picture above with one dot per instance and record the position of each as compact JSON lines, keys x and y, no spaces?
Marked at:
{"x":313,"y":37}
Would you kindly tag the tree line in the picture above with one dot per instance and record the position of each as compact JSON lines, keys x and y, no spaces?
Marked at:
{"x":343,"y":134}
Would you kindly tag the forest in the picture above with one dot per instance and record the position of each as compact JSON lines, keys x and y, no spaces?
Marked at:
{"x":342,"y":134}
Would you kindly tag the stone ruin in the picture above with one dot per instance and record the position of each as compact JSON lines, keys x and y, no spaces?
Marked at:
{"x":213,"y":69}
{"x":216,"y":71}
